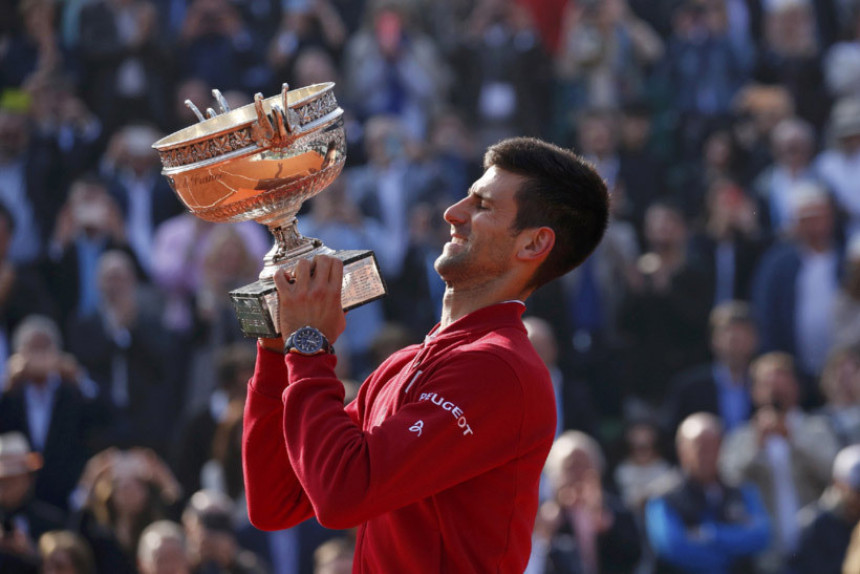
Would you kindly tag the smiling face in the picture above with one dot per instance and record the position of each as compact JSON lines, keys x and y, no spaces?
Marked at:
{"x":483,"y":241}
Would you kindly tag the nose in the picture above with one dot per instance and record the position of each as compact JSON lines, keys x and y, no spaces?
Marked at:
{"x":456,"y":214}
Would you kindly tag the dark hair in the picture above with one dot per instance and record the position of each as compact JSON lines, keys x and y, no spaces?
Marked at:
{"x":563,"y":192}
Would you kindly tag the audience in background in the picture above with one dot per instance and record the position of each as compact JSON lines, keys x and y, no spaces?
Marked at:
{"x":726,"y":129}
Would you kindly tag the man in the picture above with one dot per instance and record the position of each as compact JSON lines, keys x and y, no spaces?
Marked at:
{"x":50,"y":400}
{"x":786,"y":453}
{"x":701,"y":524}
{"x":826,"y":525}
{"x":796,"y":283}
{"x":162,"y":549}
{"x":211,"y":537}
{"x":438,"y":459}
{"x":22,"y":518}
{"x":720,"y":387}
{"x":583,"y":527}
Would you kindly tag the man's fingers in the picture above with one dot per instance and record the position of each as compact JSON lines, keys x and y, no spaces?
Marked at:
{"x":302,"y":271}
{"x":282,"y":280}
{"x":322,"y":268}
{"x":336,"y":273}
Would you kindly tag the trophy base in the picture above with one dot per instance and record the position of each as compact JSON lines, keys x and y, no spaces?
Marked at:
{"x":256,"y":304}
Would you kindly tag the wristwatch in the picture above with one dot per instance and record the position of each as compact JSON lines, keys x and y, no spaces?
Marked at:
{"x":308,"y":341}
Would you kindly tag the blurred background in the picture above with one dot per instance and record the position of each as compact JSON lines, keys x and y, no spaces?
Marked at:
{"x":728,"y":132}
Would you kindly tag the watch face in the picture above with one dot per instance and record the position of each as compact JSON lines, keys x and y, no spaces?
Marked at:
{"x":308,"y":340}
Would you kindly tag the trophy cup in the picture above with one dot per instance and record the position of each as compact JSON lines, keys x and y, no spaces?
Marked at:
{"x":261,"y":162}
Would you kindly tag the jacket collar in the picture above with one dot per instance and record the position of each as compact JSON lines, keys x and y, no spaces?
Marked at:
{"x":489,"y":318}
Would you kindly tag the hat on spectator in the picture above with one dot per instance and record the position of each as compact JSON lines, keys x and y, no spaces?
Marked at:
{"x":846,"y":467}
{"x":845,"y":118}
{"x":15,"y":455}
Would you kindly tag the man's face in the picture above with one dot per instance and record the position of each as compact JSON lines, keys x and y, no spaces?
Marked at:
{"x":775,"y":386}
{"x":483,"y":243}
{"x":699,"y":455}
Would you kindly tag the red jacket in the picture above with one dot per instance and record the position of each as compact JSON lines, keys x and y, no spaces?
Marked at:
{"x":437,"y":461}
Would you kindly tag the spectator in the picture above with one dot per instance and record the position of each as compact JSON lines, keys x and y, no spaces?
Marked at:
{"x":123,"y":492}
{"x":388,"y":188}
{"x":48,"y":398}
{"x":792,"y":145}
{"x":64,"y":124}
{"x":29,"y":182}
{"x":208,"y":520}
{"x":144,"y":196}
{"x":757,"y":110}
{"x":32,"y":48}
{"x":22,"y":518}
{"x":702,"y":70}
{"x":391,"y":68}
{"x":826,"y":525}
{"x":842,"y":61}
{"x":665,"y":312}
{"x":642,"y":172}
{"x":124,"y":62}
{"x":179,"y":253}
{"x":605,"y":52}
{"x":504,"y":73}
{"x":123,"y":347}
{"x":838,"y":164}
{"x":574,"y":408}
{"x":228,"y":264}
{"x":840,"y":386}
{"x":162,"y":549}
{"x":304,"y":26}
{"x":720,"y":387}
{"x":582,"y":528}
{"x":22,"y":289}
{"x":791,"y":57}
{"x":235,"y":365}
{"x":64,"y":552}
{"x":795,"y":286}
{"x":89,"y":224}
{"x":786,"y":453}
{"x":703,"y":524}
{"x":731,"y":242}
{"x":217,"y":46}
{"x":643,"y":470}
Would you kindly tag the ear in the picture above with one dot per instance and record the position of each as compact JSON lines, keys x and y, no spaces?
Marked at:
{"x":536,"y":245}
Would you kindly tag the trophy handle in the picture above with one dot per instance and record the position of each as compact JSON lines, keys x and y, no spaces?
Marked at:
{"x":275,"y":129}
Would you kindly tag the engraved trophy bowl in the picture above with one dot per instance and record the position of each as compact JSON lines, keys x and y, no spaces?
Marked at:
{"x":261,"y":162}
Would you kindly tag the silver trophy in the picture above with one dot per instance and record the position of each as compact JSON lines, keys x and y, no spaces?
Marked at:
{"x":261,"y":162}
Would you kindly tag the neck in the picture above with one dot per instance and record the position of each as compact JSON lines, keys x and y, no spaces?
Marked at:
{"x":460,"y":301}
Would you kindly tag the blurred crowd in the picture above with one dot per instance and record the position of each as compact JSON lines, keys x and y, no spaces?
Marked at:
{"x":706,"y":358}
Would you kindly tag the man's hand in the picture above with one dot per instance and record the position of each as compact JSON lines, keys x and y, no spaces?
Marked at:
{"x":310,"y":295}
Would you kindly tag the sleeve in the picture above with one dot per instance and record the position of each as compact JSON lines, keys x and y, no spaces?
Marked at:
{"x":741,"y":458}
{"x":276,"y":500}
{"x":750,"y":537}
{"x":467,"y":418}
{"x":674,"y":543}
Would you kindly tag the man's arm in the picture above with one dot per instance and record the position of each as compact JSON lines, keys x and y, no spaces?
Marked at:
{"x":466,"y":418}
{"x":673,"y":542}
{"x":748,"y":537}
{"x":276,"y":499}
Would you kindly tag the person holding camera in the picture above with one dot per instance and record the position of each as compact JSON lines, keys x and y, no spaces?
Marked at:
{"x":783,"y":451}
